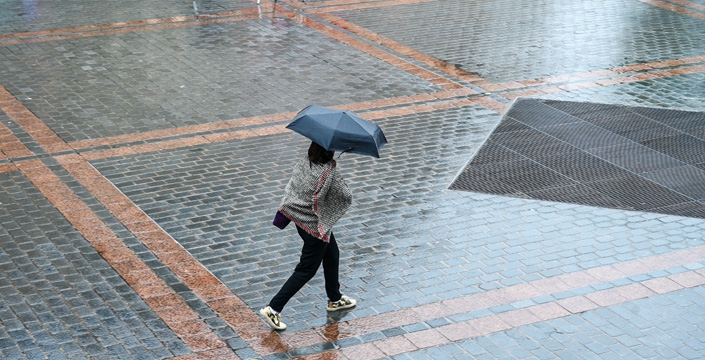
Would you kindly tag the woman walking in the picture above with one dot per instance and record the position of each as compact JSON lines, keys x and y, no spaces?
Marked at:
{"x":315,"y":198}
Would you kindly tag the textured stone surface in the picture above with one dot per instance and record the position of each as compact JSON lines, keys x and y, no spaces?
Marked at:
{"x":607,"y":155}
{"x":143,"y":154}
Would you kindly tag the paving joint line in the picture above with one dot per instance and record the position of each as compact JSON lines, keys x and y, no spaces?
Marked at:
{"x":112,"y":29}
{"x":242,"y":128}
{"x":338,"y":5}
{"x":477,"y":83}
{"x":531,"y":291}
{"x":406,"y":51}
{"x":207,"y":287}
{"x":161,"y":298}
{"x":597,"y":75}
{"x":268,"y":130}
{"x":364,"y":45}
{"x":487,"y":325}
{"x":385,"y":44}
{"x":137,"y":23}
{"x":62,"y":154}
{"x":657,"y":74}
{"x":670,"y":6}
{"x":689,"y":4}
{"x":177,"y":314}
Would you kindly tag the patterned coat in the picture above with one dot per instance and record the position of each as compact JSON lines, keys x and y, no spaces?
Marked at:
{"x":316,"y":198}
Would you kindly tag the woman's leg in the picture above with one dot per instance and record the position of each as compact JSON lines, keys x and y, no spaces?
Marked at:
{"x":312,"y":254}
{"x":331,"y":260}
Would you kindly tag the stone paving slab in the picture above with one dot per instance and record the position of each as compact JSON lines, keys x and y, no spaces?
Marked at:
{"x":59,"y":298}
{"x":232,"y":236}
{"x":489,"y":39}
{"x":684,"y":92}
{"x":654,"y":328}
{"x":181,"y":240}
{"x":141,"y":81}
{"x":28,"y":16}
{"x":220,"y":208}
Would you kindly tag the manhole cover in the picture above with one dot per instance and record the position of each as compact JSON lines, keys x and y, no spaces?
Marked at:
{"x":606,"y":155}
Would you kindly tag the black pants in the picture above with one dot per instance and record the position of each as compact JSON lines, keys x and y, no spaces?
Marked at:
{"x":314,"y":252}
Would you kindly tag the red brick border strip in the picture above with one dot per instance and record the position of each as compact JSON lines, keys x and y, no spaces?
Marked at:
{"x":192,"y":273}
{"x":674,"y":8}
{"x":10,"y":145}
{"x":689,"y":4}
{"x":256,"y":120}
{"x":487,"y":102}
{"x":131,"y":24}
{"x":606,"y":82}
{"x":7,"y":168}
{"x":338,"y":5}
{"x":143,"y":25}
{"x":487,"y":325}
{"x":161,"y":298}
{"x":34,"y":127}
{"x":603,"y":73}
{"x":278,"y":129}
{"x":378,"y":53}
{"x":430,"y":61}
{"x":521,"y":292}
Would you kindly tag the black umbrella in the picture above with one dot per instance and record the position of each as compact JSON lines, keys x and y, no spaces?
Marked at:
{"x":339,"y":130}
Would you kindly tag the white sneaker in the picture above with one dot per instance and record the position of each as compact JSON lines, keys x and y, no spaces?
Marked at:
{"x":344,"y":303}
{"x":274,"y":320}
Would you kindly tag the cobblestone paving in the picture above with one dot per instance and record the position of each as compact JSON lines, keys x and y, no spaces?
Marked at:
{"x":143,"y":153}
{"x":217,"y":202}
{"x":136,"y":82}
{"x":684,"y":93}
{"x":62,"y":300}
{"x":30,"y":16}
{"x":644,"y":329}
{"x":488,"y":38}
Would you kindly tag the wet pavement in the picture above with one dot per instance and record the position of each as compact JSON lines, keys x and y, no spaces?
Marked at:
{"x":143,"y":152}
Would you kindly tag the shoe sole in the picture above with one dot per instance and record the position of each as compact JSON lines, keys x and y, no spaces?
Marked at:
{"x":341,"y":308}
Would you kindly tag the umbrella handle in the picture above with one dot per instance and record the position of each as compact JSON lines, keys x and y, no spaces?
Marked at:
{"x":341,"y":153}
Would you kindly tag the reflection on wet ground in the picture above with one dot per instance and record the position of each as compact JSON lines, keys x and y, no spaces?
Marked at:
{"x":143,"y":147}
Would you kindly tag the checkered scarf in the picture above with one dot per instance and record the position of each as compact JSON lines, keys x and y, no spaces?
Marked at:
{"x":316,"y":198}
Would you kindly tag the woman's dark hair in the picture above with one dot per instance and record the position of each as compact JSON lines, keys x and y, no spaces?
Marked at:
{"x":318,"y":155}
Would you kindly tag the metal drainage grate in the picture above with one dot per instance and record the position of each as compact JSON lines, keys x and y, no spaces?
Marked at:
{"x":605,"y":155}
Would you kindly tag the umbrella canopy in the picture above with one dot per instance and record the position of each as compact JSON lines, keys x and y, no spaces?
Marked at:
{"x":339,"y":130}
